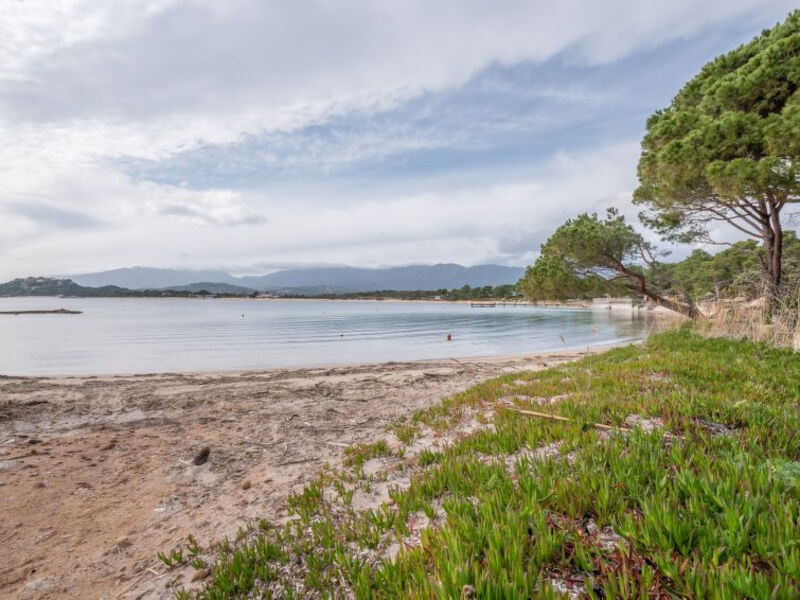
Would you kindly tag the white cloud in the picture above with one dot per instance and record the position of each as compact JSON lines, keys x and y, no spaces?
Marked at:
{"x":465,"y":224}
{"x":85,"y":83}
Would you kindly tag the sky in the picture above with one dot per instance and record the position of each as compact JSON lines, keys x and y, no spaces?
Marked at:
{"x":256,"y":135}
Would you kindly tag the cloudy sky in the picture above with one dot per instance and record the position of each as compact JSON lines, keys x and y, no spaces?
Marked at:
{"x":250,"y":135}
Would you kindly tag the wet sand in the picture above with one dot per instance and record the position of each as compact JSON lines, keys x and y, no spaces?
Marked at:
{"x":97,"y":473}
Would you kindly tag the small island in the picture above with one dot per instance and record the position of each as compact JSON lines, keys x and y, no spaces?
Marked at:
{"x":55,"y":311}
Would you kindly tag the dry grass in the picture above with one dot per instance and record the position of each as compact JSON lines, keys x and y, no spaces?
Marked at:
{"x":740,"y":319}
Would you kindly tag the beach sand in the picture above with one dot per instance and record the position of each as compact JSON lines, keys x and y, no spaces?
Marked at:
{"x":97,"y":473}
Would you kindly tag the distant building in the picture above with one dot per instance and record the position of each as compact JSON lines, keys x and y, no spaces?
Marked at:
{"x":622,"y":303}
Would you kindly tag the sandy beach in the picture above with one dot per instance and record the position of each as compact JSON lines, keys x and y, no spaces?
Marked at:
{"x":97,"y":474}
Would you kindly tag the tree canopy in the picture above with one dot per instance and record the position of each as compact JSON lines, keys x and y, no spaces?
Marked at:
{"x":727,"y":149}
{"x":735,"y":271}
{"x":593,"y":255}
{"x":564,"y":269}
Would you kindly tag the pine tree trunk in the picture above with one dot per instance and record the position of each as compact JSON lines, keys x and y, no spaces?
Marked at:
{"x":638,"y":283}
{"x":772,"y":234}
{"x":688,"y":310}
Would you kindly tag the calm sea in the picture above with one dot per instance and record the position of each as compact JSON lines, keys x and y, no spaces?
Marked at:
{"x":122,"y":335}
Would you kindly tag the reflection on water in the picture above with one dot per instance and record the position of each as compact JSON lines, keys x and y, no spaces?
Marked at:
{"x":138,"y":335}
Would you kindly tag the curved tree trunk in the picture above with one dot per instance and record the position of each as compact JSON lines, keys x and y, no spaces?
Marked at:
{"x":638,"y":283}
{"x":688,"y":310}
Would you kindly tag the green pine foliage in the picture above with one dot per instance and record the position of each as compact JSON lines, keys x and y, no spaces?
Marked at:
{"x":726,"y":150}
{"x":733,"y":272}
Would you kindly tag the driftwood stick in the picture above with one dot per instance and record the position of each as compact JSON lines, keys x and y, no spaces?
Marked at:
{"x":296,"y":461}
{"x":541,"y":415}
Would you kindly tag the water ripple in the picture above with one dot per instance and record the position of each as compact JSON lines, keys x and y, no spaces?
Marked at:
{"x":123,"y":335}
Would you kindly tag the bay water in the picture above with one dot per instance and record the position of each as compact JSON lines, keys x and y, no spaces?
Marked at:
{"x":155,"y":335}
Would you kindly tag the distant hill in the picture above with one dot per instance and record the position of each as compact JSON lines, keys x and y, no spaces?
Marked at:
{"x":46,"y":286}
{"x":140,"y":278}
{"x":412,"y":277}
{"x":343,"y":279}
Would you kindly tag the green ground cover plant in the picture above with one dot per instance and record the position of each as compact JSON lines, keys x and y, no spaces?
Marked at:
{"x":697,"y":497}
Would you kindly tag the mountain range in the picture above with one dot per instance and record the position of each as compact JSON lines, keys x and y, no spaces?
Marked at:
{"x":345,"y":279}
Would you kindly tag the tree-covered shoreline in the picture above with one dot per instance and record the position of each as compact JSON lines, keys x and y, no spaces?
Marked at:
{"x":48,"y":286}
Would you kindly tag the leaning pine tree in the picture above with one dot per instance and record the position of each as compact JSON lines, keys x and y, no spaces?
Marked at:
{"x":593,"y":254}
{"x":727,"y":150}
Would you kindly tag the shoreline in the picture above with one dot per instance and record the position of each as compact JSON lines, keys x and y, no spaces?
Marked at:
{"x":587,"y":304}
{"x":488,"y":358}
{"x":97,"y":473}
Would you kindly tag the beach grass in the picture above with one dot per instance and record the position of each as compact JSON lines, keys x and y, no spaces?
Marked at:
{"x":692,"y":489}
